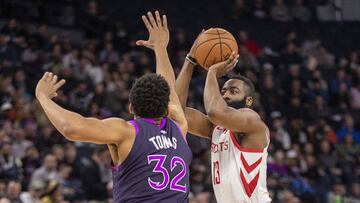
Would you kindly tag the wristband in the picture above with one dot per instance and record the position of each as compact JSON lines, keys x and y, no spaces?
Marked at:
{"x":191,"y":60}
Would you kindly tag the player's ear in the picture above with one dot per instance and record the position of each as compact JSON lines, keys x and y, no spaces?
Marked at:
{"x":131,"y":109}
{"x":249,"y":102}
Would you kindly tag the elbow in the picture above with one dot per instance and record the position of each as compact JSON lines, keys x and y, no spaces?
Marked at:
{"x":69,"y":132}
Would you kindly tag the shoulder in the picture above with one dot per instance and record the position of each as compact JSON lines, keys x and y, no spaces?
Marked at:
{"x":253,"y":119}
{"x":117,"y":123}
{"x":251,"y":114}
{"x":120,"y":126}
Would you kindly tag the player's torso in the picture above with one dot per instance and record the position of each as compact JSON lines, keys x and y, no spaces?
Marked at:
{"x":238,"y":174}
{"x":157,"y":167}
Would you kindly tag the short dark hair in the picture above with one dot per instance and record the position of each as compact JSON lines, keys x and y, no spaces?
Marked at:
{"x":150,"y":96}
{"x":249,"y":87}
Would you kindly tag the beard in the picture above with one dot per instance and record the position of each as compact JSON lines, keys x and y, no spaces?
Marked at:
{"x":237,"y":104}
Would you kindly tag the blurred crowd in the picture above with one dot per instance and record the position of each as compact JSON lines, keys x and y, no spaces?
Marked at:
{"x":308,"y":96}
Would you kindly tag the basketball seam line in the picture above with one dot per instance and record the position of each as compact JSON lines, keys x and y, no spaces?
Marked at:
{"x":209,"y":53}
{"x":220,"y":45}
{"x":228,"y":46}
{"x":211,"y":40}
{"x":216,"y":33}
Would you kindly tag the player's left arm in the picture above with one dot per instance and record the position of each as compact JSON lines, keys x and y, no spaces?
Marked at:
{"x":219,"y":113}
{"x":158,"y":41}
{"x":74,"y":126}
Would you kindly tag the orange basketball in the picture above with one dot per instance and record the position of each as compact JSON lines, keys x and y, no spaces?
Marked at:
{"x":213,"y":46}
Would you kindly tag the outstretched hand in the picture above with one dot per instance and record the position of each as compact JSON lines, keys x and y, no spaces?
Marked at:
{"x":48,"y":85}
{"x":224,"y":67}
{"x":158,"y":31}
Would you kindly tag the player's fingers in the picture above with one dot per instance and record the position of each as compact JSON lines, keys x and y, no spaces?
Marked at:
{"x":158,"y":19}
{"x":44,"y":77}
{"x":164,"y":20}
{"x":54,"y":79}
{"x":146,"y":22}
{"x":234,"y":62}
{"x":59,"y":84}
{"x":141,"y":42}
{"x":48,"y":77}
{"x":53,"y":95}
{"x":231,"y":58}
{"x":152,"y":19}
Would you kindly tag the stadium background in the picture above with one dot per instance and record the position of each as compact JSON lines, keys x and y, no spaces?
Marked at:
{"x":302,"y":56}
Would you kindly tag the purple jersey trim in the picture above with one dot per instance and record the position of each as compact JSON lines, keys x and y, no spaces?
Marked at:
{"x":132,"y":122}
{"x":163,"y":123}
{"x":152,"y":121}
{"x":114,"y":167}
{"x":149,"y":120}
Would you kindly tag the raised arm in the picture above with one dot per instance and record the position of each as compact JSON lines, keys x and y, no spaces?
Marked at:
{"x":198,"y":122}
{"x":237,"y":120}
{"x":72,"y":125}
{"x":158,"y":41}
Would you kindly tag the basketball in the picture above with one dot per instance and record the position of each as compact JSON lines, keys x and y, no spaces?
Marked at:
{"x":213,"y":46}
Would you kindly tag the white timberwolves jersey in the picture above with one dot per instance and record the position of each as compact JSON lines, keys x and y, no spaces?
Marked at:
{"x":239,"y":174}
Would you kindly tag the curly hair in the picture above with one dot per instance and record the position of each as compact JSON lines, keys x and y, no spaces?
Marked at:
{"x":150,"y":96}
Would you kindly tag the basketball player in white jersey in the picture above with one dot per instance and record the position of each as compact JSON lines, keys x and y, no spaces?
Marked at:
{"x":239,"y":136}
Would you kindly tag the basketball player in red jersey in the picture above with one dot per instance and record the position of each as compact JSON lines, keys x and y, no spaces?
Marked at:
{"x":239,"y":136}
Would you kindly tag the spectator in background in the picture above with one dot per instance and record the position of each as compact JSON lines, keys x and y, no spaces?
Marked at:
{"x":247,"y":59}
{"x":270,"y":94}
{"x":300,"y":12}
{"x":278,"y":167}
{"x":71,"y":59}
{"x":34,"y":192}
{"x":355,"y":191}
{"x":20,"y":144}
{"x":324,"y":58}
{"x":341,"y":77}
{"x":280,"y":12}
{"x":290,"y":55}
{"x":355,"y":96}
{"x":48,"y":171}
{"x":348,"y":128}
{"x":4,"y":200}
{"x":341,"y":98}
{"x":325,"y":156}
{"x":108,"y":54}
{"x":259,"y":10}
{"x":30,"y":163}
{"x":13,"y":192}
{"x":310,"y":45}
{"x":348,"y":150}
{"x":241,"y":10}
{"x":2,"y":188}
{"x":251,"y":45}
{"x":337,"y":193}
{"x":354,"y":61}
{"x":47,"y":138}
{"x":58,"y":152}
{"x":281,"y":135}
{"x":53,"y":193}
{"x":91,"y":175}
{"x":10,"y":166}
{"x":80,"y":97}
